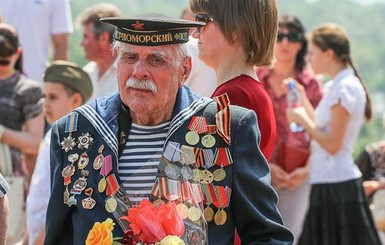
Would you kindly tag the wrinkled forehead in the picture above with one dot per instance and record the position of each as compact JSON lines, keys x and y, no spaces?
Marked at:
{"x":166,"y":51}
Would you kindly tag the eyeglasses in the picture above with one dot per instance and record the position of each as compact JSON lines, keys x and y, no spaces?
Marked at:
{"x":4,"y":62}
{"x":201,"y":17}
{"x":291,"y":37}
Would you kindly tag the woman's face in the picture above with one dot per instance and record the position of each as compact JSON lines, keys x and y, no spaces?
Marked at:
{"x":317,"y":59}
{"x":212,"y":44}
{"x":288,"y":45}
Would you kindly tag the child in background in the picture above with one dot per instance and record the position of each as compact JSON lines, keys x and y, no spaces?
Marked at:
{"x":66,"y":87}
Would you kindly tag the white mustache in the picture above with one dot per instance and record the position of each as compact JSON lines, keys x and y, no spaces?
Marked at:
{"x":146,"y":84}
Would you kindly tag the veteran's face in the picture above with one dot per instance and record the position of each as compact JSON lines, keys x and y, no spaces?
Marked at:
{"x":149,"y":78}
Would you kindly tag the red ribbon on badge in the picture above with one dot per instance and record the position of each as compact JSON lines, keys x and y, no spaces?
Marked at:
{"x":223,"y":117}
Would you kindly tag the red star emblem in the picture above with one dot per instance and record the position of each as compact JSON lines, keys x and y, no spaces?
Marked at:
{"x":138,"y":26}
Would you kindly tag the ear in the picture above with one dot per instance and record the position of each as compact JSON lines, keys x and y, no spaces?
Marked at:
{"x":186,"y":68}
{"x":330,"y":54}
{"x":105,"y":37}
{"x":19,"y":51}
{"x":77,"y":100}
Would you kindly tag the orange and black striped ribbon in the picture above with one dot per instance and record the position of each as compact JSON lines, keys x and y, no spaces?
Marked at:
{"x":223,"y":117}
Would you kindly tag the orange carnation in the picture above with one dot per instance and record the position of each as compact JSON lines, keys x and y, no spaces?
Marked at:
{"x":101,"y":233}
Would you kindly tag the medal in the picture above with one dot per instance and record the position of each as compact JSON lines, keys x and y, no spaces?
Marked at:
{"x":71,"y":201}
{"x":158,"y":202}
{"x":84,"y":141}
{"x":80,"y":184}
{"x":192,"y":138}
{"x":182,"y":210}
{"x":99,"y":160}
{"x":219,"y":174}
{"x":68,"y":143}
{"x":220,"y":217}
{"x":111,"y":205}
{"x":208,"y":213}
{"x":68,"y":171}
{"x":188,"y":156}
{"x":66,"y":195}
{"x":102,"y":185}
{"x":193,"y":213}
{"x":207,"y":177}
{"x":88,"y":203}
{"x":208,"y":141}
{"x":83,"y":161}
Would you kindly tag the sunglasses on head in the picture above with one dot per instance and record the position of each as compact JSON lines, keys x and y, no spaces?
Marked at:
{"x":291,"y":37}
{"x":4,"y":62}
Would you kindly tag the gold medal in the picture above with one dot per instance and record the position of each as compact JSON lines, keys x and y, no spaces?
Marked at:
{"x":208,"y":141}
{"x":111,"y":205}
{"x":207,"y":177}
{"x":192,"y":137}
{"x":158,"y":202}
{"x":102,"y":185}
{"x":193,"y":213}
{"x":219,"y":174}
{"x":182,"y":210}
{"x":220,"y":217}
{"x":208,"y":213}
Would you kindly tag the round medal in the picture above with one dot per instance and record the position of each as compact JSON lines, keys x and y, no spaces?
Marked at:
{"x":208,"y":213}
{"x":192,"y":138}
{"x":207,"y":177}
{"x":111,"y":205}
{"x":158,"y":202}
{"x":208,"y":141}
{"x":102,"y":185}
{"x":219,"y":174}
{"x":220,"y":217}
{"x":193,"y":213}
{"x":182,"y":210}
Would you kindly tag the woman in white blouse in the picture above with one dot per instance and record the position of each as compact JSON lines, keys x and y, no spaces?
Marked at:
{"x":338,"y":212}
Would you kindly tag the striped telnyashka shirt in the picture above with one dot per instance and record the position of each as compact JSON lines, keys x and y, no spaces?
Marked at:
{"x":138,"y":164}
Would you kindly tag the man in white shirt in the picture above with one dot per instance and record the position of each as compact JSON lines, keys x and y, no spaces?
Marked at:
{"x":39,"y":24}
{"x":96,"y":42}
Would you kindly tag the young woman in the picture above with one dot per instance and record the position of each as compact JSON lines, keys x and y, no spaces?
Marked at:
{"x":338,"y":212}
{"x":288,"y":165}
{"x":231,"y":43}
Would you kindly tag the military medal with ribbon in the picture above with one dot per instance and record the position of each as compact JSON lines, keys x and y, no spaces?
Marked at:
{"x":68,"y":142}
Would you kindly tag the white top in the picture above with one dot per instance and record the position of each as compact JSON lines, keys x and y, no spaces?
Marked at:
{"x":36,"y":21}
{"x":39,"y":191}
{"x":202,"y":79}
{"x":104,"y":85}
{"x":347,"y":90}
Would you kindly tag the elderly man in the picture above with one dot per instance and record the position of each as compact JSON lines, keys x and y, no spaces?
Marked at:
{"x":159,"y":141}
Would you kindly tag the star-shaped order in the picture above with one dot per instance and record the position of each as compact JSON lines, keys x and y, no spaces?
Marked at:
{"x":138,"y":26}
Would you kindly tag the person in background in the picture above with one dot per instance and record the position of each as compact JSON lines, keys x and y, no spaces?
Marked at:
{"x":338,"y":210}
{"x":289,"y":170}
{"x":371,"y":162}
{"x":231,"y":43}
{"x":4,"y":209}
{"x":202,"y":79}
{"x":96,"y":43}
{"x":153,"y":116}
{"x":66,"y":87}
{"x":44,"y":28}
{"x":21,"y":120}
